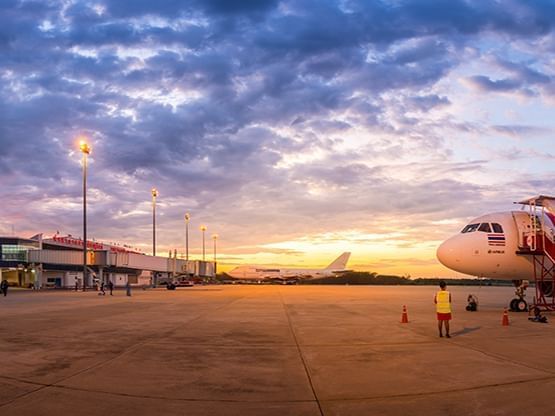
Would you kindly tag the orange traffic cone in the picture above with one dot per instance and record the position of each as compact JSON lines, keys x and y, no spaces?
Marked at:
{"x":404,"y":316}
{"x":505,"y":321}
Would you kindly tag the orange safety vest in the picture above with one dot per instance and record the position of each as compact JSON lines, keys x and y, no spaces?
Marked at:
{"x":443,"y":305}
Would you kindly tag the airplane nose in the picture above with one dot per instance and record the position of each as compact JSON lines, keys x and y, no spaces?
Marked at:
{"x":447,"y":254}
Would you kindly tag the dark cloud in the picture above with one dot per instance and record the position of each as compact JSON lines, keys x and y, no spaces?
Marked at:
{"x":177,"y":8}
{"x":525,"y":72}
{"x":428,"y":102}
{"x":236,"y":6}
{"x":486,"y":84}
{"x":167,"y":8}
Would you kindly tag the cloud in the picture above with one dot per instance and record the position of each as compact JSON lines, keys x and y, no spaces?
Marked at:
{"x":486,"y":84}
{"x":269,"y":120}
{"x":518,"y":77}
{"x":522,"y":130}
{"x":171,"y":8}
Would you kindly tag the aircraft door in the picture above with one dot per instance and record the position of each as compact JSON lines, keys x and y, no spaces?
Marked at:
{"x":524,"y":228}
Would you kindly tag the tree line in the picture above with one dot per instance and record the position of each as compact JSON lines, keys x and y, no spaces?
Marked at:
{"x":372,"y":278}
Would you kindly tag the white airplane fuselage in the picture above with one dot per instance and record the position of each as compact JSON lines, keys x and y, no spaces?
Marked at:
{"x":493,"y":254}
{"x":262,"y":273}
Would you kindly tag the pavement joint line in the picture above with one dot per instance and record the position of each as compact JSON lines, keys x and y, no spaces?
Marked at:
{"x":305,"y":365}
{"x":492,"y":355}
{"x":124,"y":352}
{"x":201,"y":315}
{"x":335,"y":400}
{"x":227,"y":346}
{"x":178,"y":399}
{"x":22,"y":380}
{"x":446,"y":391}
{"x":420,"y":330}
{"x":151,"y":339}
{"x":61,"y":311}
{"x":503,"y":358}
{"x":21,"y":396}
{"x":432,"y":341}
{"x":274,"y":345}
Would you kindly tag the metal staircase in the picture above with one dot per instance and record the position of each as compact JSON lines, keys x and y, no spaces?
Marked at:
{"x":539,"y":243}
{"x":543,"y":260}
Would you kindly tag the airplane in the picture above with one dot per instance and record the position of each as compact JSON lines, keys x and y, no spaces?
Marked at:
{"x":284,"y":275}
{"x":512,"y":245}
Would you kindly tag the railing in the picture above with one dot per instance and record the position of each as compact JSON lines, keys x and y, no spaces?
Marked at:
{"x":542,"y":248}
{"x":66,"y":257}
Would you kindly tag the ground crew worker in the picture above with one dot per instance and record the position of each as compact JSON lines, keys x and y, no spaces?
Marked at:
{"x":4,"y":287}
{"x":472,"y":305}
{"x":537,"y":316}
{"x":442,"y":300}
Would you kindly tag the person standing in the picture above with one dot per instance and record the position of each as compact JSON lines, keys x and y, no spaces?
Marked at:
{"x":110,"y":287}
{"x":102,"y":291}
{"x":4,"y":287}
{"x":442,"y":300}
{"x":128,"y":288}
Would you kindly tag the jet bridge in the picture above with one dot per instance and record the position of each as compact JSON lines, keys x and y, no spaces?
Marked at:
{"x":31,"y":260}
{"x":101,"y":261}
{"x":104,"y":258}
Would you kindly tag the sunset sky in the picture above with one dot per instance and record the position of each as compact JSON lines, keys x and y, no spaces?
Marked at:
{"x":295,"y":130}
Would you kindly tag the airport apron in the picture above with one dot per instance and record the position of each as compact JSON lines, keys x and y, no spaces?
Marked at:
{"x":443,"y":306}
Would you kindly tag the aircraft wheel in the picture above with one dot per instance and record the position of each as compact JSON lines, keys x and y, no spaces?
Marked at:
{"x":512,"y":305}
{"x":521,"y":305}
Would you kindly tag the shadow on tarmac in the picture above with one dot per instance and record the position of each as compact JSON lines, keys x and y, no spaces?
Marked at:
{"x":465,"y":330}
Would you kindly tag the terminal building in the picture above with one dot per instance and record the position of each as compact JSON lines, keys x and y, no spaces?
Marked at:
{"x":58,"y":262}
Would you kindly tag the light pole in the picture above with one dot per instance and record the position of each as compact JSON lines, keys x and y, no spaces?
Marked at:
{"x":187,"y":218}
{"x":154,"y":193}
{"x":86,"y":150}
{"x":203,"y":229}
{"x":214,"y":237}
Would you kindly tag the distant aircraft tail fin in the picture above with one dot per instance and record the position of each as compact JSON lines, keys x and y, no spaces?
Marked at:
{"x":339,"y":263}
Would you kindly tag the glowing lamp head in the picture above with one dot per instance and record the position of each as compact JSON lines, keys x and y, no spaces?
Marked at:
{"x":84,"y":147}
{"x":215,"y":236}
{"x":154,"y":192}
{"x":203,"y":228}
{"x":187,"y":216}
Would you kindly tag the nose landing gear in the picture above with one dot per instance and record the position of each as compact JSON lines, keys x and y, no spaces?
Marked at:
{"x":518,"y":304}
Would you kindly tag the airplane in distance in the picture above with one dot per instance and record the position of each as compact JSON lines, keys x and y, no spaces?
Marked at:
{"x":286,"y":275}
{"x":512,"y":245}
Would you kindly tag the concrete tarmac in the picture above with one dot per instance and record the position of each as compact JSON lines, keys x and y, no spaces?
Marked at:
{"x":270,"y":350}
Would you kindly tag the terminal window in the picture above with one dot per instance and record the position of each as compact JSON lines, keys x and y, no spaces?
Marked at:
{"x":12,"y":252}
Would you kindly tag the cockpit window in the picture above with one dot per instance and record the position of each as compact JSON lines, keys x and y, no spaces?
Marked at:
{"x":484,"y":227}
{"x":497,"y":227}
{"x":470,"y":228}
